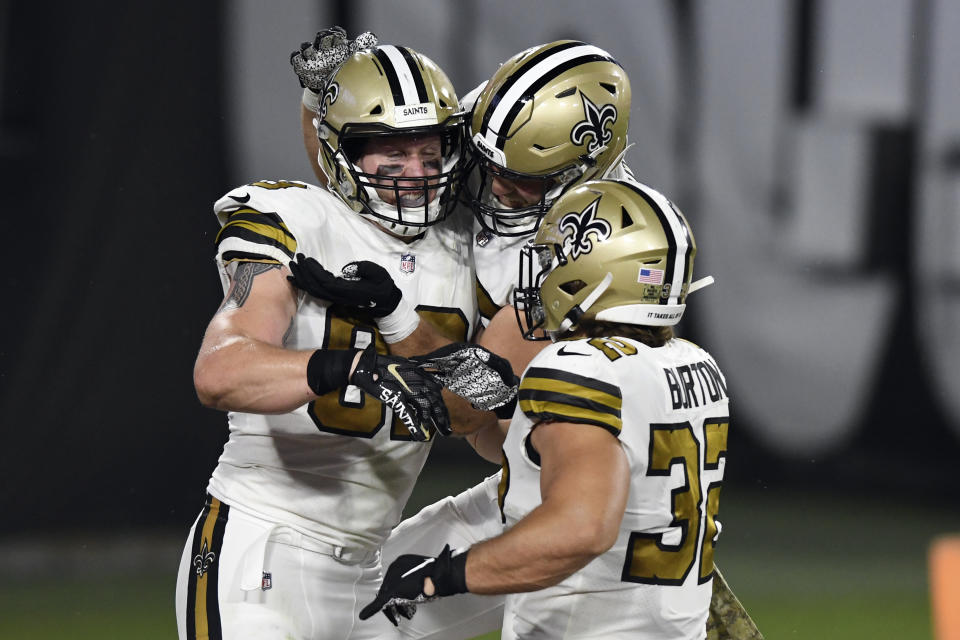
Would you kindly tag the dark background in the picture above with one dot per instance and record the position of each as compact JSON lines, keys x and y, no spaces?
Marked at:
{"x":114,"y":145}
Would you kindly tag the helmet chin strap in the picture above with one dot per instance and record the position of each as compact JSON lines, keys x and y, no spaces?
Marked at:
{"x":696,"y":285}
{"x":573,"y":316}
{"x":616,"y":162}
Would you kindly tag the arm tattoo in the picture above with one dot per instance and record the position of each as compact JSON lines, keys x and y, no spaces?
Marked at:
{"x":243,"y":283}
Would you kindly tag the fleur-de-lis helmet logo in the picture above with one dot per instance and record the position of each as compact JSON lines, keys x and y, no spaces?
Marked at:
{"x":577,"y":228}
{"x":594,"y":125}
{"x":330,"y":95}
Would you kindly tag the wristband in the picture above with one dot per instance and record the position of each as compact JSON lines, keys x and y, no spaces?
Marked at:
{"x":450,"y":573}
{"x":329,"y":369}
{"x":311,"y":99}
{"x":505,"y":412}
{"x":399,"y":323}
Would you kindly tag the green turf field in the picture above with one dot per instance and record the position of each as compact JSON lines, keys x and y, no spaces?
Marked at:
{"x":805,"y":566}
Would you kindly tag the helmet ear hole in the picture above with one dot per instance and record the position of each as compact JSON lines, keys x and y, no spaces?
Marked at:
{"x":571,"y":287}
{"x":377,"y":110}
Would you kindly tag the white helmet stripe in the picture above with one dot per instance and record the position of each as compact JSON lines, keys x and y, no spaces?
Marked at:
{"x":405,"y":75}
{"x":678,"y":237}
{"x":528,"y":79}
{"x":677,"y":227}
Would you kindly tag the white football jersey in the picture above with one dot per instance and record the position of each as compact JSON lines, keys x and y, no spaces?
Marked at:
{"x":668,"y":407}
{"x":339,"y":468}
{"x":497,"y":260}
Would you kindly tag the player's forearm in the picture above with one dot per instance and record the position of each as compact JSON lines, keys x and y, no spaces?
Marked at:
{"x":488,"y":442}
{"x":465,"y":420}
{"x":424,"y":339}
{"x":241,"y":374}
{"x":540,"y":551}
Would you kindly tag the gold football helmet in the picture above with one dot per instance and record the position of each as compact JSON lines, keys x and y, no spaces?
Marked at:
{"x":552,"y":116}
{"x":609,"y":250}
{"x":390,"y":91}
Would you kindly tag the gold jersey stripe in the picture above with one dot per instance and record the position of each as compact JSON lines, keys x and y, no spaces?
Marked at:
{"x":277,"y":235}
{"x":572,"y":389}
{"x":544,"y":409}
{"x":488,"y":308}
{"x":266,"y":217}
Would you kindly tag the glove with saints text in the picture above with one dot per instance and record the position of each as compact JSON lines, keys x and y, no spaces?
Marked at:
{"x":403,"y":585}
{"x":414,"y":397}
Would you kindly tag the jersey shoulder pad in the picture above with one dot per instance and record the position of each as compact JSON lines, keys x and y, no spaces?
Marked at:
{"x":570,"y":381}
{"x":266,"y":195}
{"x":252,"y":222}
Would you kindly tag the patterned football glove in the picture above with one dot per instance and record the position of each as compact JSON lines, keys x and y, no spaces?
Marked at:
{"x":403,"y":585}
{"x":363,"y":286}
{"x":314,"y":61}
{"x":480,"y":376}
{"x":399,"y":383}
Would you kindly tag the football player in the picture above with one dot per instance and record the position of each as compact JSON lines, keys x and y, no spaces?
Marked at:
{"x":550,"y":118}
{"x":616,"y":453}
{"x":524,"y":153}
{"x":327,"y":433}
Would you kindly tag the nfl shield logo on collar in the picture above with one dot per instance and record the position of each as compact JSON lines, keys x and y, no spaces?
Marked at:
{"x":408,"y":262}
{"x":484,"y":237}
{"x":266,"y":582}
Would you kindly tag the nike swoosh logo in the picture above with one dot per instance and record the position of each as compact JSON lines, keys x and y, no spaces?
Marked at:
{"x":242,"y":199}
{"x":392,"y":368}
{"x":563,"y":352}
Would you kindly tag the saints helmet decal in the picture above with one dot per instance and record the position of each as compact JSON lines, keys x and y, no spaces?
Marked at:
{"x":594,"y":127}
{"x":580,"y":226}
{"x":609,"y":250}
{"x":551,"y":118}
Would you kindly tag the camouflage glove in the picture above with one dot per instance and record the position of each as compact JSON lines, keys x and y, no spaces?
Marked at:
{"x":314,"y":61}
{"x":480,"y":376}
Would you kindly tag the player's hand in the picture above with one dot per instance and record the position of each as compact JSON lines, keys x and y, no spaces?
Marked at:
{"x":480,"y":376}
{"x":414,"y":396}
{"x":314,"y":61}
{"x":364,"y":285}
{"x":405,"y":584}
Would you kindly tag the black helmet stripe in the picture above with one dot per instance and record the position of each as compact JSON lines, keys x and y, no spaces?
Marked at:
{"x":529,"y":78}
{"x":403,"y":75}
{"x":539,"y":84}
{"x":679,"y":242}
{"x":518,"y":73}
{"x":415,"y":72}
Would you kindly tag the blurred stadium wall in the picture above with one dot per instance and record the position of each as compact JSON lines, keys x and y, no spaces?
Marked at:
{"x":814,"y":145}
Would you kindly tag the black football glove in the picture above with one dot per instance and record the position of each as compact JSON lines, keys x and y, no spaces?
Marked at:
{"x":314,"y":61}
{"x":414,"y":396}
{"x":402,"y":588}
{"x":480,"y":376}
{"x":364,"y":285}
{"x":400,"y":384}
